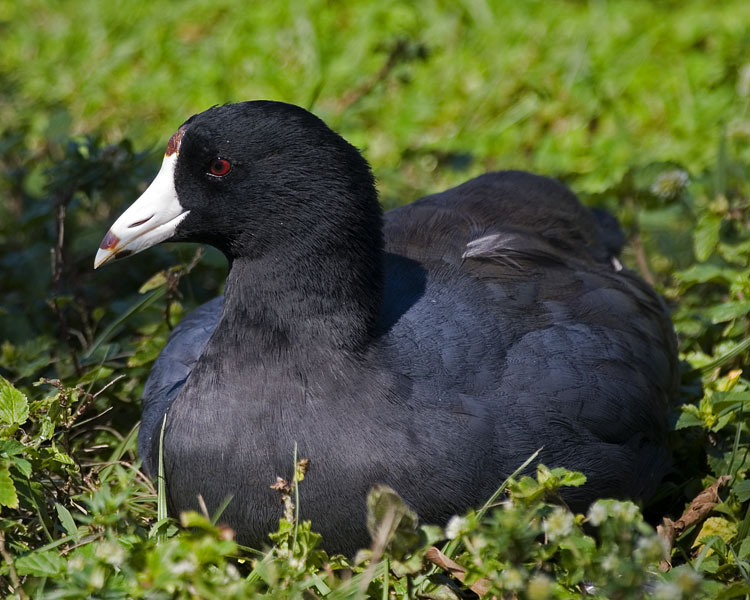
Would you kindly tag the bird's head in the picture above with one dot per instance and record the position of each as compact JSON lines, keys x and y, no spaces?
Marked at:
{"x":250,"y":179}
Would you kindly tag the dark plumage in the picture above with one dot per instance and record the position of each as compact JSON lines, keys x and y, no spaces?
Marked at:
{"x":433,"y":354}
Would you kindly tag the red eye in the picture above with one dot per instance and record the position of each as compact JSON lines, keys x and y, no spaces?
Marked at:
{"x":219,"y":167}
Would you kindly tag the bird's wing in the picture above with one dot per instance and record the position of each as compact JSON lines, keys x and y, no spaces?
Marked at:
{"x":579,"y":344}
{"x":170,"y":371}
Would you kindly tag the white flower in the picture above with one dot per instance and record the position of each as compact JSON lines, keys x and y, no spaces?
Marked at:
{"x":111,"y":553}
{"x":182,"y":567}
{"x":627,"y":511}
{"x":558,"y":524}
{"x":597,"y":514}
{"x":511,"y":579}
{"x":97,"y":578}
{"x":623,"y":510}
{"x":666,"y":591}
{"x":651,"y":548}
{"x":540,"y":587}
{"x":455,"y":527}
{"x":687,"y":580}
{"x":610,"y":563}
{"x":670,"y":183}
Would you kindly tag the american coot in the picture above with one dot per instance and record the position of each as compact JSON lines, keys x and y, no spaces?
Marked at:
{"x":432,"y":349}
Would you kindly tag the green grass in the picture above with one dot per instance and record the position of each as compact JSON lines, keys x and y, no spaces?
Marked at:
{"x":642,"y":107}
{"x":581,"y":89}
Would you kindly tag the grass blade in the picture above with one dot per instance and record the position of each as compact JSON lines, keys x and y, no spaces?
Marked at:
{"x":117,"y":454}
{"x":222,"y":507}
{"x":161,"y":488}
{"x":452,"y":547}
{"x":721,"y":360}
{"x":295,"y":482}
{"x":110,"y":330}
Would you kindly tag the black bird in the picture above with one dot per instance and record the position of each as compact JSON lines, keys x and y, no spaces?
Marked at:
{"x":432,"y":349}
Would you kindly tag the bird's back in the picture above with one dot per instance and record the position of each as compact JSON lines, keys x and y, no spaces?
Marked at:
{"x":520,"y":311}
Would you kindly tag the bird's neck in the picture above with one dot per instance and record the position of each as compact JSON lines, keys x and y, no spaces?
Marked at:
{"x":283,"y":305}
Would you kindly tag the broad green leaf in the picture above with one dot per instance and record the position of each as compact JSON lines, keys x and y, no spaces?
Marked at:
{"x":11,"y":447}
{"x":728,"y":311}
{"x":155,"y":281}
{"x":689,"y":419}
{"x":14,"y":408}
{"x":22,"y":465}
{"x":722,"y":422}
{"x":67,"y":521}
{"x":708,"y":560}
{"x":554,"y":478}
{"x":735,"y":252}
{"x":701,"y":273}
{"x":46,"y":428}
{"x":744,"y":551}
{"x":545,"y":476}
{"x":716,"y":527}
{"x":191,"y":518}
{"x":581,"y":544}
{"x":742,"y":490}
{"x":527,"y":488}
{"x":8,"y":496}
{"x":96,"y":374}
{"x":61,"y":456}
{"x":573,"y":479}
{"x":706,"y":236}
{"x":723,"y":400}
{"x":40,"y":564}
{"x":391,"y":521}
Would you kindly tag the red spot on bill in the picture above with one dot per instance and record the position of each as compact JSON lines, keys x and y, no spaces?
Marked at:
{"x":110,"y":241}
{"x":173,"y":146}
